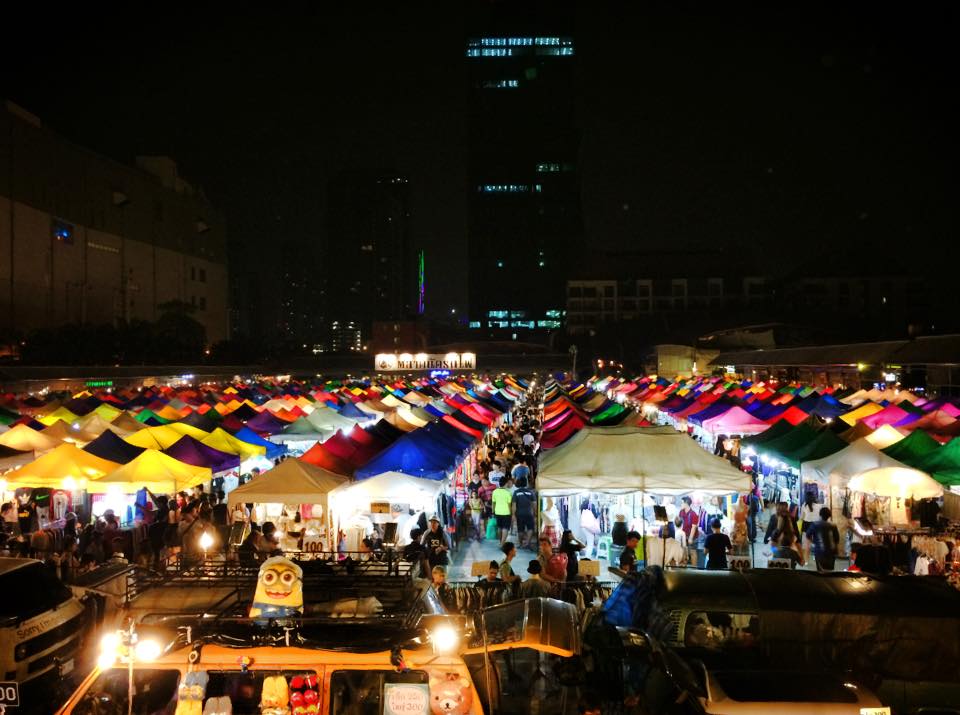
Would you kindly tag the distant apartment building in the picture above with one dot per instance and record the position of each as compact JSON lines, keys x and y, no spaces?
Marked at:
{"x":87,"y":240}
{"x":593,"y":302}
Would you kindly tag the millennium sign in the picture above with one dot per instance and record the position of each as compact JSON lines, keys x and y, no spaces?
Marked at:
{"x":389,"y":362}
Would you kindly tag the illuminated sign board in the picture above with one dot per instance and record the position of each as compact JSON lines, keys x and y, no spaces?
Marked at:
{"x":388,"y":362}
{"x":99,"y":383}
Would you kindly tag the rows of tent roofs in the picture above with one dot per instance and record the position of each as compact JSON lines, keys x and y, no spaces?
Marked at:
{"x":173,"y":438}
{"x":792,"y":426}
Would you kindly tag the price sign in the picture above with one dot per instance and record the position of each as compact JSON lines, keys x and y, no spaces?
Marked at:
{"x":406,"y":699}
{"x":589,"y":568}
{"x":479,"y":568}
{"x":739,"y":564}
{"x":380,"y":507}
{"x":9,"y":695}
{"x":779,"y":564}
{"x":874,"y":711}
{"x":312,"y":544}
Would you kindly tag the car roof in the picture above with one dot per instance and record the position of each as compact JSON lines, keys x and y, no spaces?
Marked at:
{"x":9,"y":563}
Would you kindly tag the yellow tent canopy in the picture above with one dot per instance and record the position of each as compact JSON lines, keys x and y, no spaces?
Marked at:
{"x":162,"y":437}
{"x":96,"y":425}
{"x":169,"y":413}
{"x":107,"y":412}
{"x":291,"y":482}
{"x":63,"y":463}
{"x":68,"y":433}
{"x":61,"y":413}
{"x":127,"y":423}
{"x":158,"y":472}
{"x":28,"y":440}
{"x":226,"y":442}
{"x":185,"y":429}
{"x":884,"y":436}
{"x":865,"y":410}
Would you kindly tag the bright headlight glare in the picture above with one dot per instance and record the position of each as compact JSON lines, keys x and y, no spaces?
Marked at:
{"x":110,"y":643}
{"x":148,"y":650}
{"x":445,"y":639}
{"x":106,"y":659}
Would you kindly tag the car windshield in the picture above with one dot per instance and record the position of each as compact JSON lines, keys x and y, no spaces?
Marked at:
{"x":784,"y":687}
{"x":29,"y":591}
{"x":155,"y":691}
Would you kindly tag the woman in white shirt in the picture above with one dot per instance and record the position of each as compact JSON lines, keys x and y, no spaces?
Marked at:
{"x":550,"y":522}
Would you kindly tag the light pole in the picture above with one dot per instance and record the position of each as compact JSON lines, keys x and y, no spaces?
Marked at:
{"x":573,"y":353}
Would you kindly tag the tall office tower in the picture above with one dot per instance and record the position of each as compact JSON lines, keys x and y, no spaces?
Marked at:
{"x":369,"y":265}
{"x":524,"y":218}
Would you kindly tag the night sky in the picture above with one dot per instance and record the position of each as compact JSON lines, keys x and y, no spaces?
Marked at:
{"x":805,"y":134}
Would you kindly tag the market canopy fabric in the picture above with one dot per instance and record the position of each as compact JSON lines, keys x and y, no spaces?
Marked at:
{"x":110,"y":447}
{"x":66,"y":462}
{"x":631,"y":459}
{"x":291,"y":482}
{"x":735,"y":420}
{"x":901,"y":482}
{"x":190,"y":451}
{"x":393,"y":487}
{"x":25,"y":439}
{"x":838,"y":468}
{"x":884,"y":436}
{"x":158,"y":472}
{"x":246,"y":444}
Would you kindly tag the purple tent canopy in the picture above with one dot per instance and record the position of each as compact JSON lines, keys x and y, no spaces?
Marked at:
{"x":190,"y":451}
{"x":265,"y":423}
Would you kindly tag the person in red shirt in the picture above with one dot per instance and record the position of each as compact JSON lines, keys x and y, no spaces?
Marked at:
{"x":691,"y":528}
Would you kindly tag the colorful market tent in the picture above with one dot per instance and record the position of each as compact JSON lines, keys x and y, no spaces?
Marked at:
{"x":735,"y":420}
{"x":943,"y":464}
{"x":190,"y":451}
{"x":862,"y":412}
{"x":24,"y":439}
{"x":65,"y":467}
{"x":392,"y":487}
{"x":884,"y":436}
{"x":111,"y":447}
{"x":839,"y":467}
{"x":418,"y":453}
{"x":159,"y":438}
{"x":246,"y":437}
{"x":900,"y":482}
{"x":634,"y":459}
{"x":158,"y":472}
{"x":13,"y":458}
{"x":912,"y":449}
{"x":290,"y":482}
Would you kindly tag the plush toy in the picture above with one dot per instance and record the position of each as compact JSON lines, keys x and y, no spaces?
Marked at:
{"x":275,"y":696}
{"x":191,"y":692}
{"x":218,"y":706}
{"x":305,"y":698}
{"x":450,"y":694}
{"x":279,"y":589}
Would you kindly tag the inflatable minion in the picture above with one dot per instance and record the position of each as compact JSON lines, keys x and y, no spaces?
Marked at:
{"x":279,"y":590}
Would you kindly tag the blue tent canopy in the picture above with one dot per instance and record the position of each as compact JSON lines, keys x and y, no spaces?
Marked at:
{"x":351,"y":410}
{"x":415,"y":454}
{"x":274,"y":450}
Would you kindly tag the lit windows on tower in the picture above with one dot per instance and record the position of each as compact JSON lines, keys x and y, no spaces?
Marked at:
{"x":501,"y":84}
{"x":516,"y":46}
{"x":509,"y":188}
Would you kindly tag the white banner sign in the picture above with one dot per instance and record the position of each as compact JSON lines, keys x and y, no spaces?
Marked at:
{"x":387,"y":362}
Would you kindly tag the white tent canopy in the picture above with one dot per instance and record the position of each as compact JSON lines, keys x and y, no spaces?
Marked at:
{"x":291,"y":482}
{"x":393,"y":487}
{"x":636,"y":459}
{"x":899,"y":482}
{"x":838,"y":468}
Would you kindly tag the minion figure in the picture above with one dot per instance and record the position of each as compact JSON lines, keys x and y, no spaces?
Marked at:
{"x":279,"y":590}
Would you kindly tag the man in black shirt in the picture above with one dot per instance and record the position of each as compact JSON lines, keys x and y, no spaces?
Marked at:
{"x":628,"y":559}
{"x":523,"y":500}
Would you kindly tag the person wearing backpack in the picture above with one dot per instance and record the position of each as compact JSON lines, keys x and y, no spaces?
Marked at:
{"x":825,"y":538}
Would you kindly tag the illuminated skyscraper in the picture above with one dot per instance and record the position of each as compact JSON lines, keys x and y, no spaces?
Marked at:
{"x":524,"y":216}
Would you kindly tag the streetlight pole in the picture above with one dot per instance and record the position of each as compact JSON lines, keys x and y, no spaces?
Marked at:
{"x":573,"y":353}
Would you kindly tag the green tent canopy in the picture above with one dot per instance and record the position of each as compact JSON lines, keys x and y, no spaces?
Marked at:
{"x":912,"y":449}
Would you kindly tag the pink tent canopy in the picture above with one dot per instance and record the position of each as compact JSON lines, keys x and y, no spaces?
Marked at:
{"x":889,"y":415}
{"x":736,"y":420}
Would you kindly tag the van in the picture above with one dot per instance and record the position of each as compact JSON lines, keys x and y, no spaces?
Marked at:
{"x":898,"y":635}
{"x":369,"y":641}
{"x":636,"y":666}
{"x":41,"y":626}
